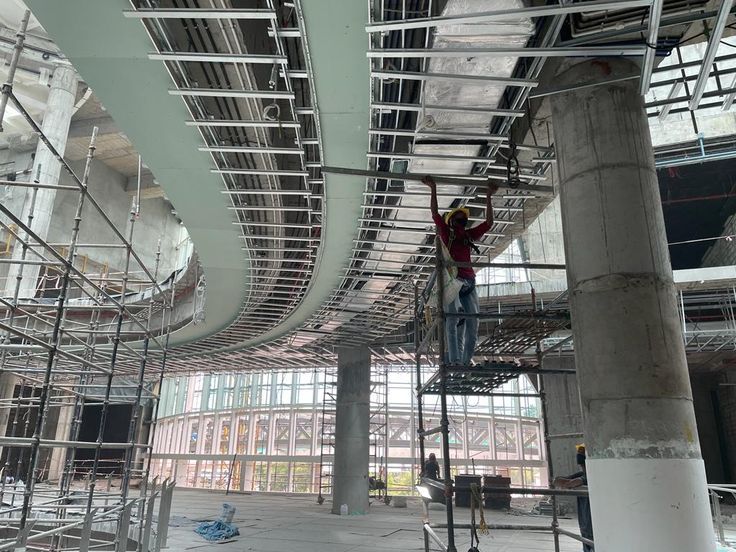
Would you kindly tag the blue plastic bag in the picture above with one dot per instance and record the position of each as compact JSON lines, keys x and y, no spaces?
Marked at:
{"x":216,"y":530}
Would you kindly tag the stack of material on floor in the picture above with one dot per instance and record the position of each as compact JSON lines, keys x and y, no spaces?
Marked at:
{"x":220,"y":529}
{"x":497,"y":501}
{"x":462,"y":488}
{"x":544,"y":507}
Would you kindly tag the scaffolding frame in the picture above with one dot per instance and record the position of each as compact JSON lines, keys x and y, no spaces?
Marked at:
{"x":97,"y":339}
{"x":379,"y":431}
{"x":476,"y":380}
{"x":328,"y":416}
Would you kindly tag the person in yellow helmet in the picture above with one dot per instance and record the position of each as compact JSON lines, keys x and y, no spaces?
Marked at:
{"x":574,"y":481}
{"x":459,"y":239}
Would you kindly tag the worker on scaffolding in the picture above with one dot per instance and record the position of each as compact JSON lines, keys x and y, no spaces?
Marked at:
{"x":574,"y":481}
{"x":459,"y":241}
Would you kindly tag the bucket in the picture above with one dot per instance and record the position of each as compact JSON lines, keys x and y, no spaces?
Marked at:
{"x":228,"y":511}
{"x":344,"y":510}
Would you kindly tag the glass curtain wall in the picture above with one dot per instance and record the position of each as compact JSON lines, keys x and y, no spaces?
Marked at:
{"x":261,"y":431}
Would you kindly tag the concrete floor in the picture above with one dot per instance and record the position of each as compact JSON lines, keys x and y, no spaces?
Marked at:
{"x":285,"y":523}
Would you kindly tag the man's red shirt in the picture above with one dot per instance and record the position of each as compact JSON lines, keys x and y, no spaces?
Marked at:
{"x":459,"y":250}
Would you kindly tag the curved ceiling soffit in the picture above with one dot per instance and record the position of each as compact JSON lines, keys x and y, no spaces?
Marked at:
{"x":340,"y":74}
{"x":134,"y":89}
{"x":111,"y":54}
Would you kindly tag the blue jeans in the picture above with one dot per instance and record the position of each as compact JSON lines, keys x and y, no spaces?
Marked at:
{"x":468,"y":300}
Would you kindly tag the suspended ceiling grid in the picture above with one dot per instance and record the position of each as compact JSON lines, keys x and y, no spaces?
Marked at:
{"x":329,"y":260}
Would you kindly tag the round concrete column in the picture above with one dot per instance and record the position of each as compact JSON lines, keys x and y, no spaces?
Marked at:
{"x":352,"y":431}
{"x":646,"y":475}
{"x":55,"y":126}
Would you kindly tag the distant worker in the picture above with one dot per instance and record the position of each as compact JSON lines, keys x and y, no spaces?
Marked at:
{"x":574,"y":481}
{"x":459,"y":240}
{"x":375,"y":484}
{"x":431,"y":468}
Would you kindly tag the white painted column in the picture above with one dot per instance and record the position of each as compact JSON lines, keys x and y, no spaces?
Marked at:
{"x":55,"y":126}
{"x":646,"y":475}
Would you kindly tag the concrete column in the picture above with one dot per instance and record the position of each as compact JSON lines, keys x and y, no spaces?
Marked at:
{"x":564,"y":417}
{"x":352,"y":430}
{"x":646,"y":475}
{"x":64,"y":422}
{"x":8,"y":383}
{"x":46,"y":167}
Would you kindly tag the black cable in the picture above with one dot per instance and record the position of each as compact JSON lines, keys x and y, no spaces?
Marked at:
{"x":512,"y":167}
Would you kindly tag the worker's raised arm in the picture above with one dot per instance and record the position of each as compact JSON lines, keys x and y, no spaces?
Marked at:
{"x":492,"y":189}
{"x":429,"y":181}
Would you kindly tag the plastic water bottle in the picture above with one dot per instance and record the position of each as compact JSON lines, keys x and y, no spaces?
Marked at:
{"x":344,"y":510}
{"x":228,"y":512}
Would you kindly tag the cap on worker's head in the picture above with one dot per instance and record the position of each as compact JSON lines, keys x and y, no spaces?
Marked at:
{"x":455,"y":211}
{"x":580,"y":449}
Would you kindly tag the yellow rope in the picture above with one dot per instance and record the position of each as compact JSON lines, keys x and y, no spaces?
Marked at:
{"x":477,"y":498}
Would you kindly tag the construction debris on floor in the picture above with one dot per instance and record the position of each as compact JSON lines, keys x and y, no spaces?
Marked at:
{"x":221,"y":529}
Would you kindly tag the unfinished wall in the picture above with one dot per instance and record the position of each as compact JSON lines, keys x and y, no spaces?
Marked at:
{"x":723,"y":252}
{"x":542,"y":239}
{"x":710,"y":425}
{"x":726,"y":409}
{"x":564,"y":416}
{"x":156,"y":221}
{"x":715,"y":413}
{"x":109,"y":188}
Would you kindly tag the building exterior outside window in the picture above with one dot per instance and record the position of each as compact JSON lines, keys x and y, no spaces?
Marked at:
{"x":261,"y":431}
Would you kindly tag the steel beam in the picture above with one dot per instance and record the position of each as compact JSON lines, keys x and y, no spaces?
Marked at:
{"x":496,"y":15}
{"x":388,"y":106}
{"x":267,"y":208}
{"x":268,"y":192}
{"x":260,"y":172}
{"x":728,"y":100}
{"x":674,"y":91}
{"x":584,"y":52}
{"x":275,"y":224}
{"x":242,"y":123}
{"x":478,"y":79}
{"x":655,"y":15}
{"x":710,"y":53}
{"x":207,"y":57}
{"x":252,"y":149}
{"x":198,"y":13}
{"x":453,"y":180}
{"x":224,"y":93}
{"x":439,"y":135}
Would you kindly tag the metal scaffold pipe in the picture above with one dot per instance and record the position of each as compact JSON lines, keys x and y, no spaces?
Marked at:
{"x":54,"y":342}
{"x":15,"y":58}
{"x":473,"y":180}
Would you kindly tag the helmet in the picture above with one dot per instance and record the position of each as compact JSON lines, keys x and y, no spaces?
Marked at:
{"x":455,"y":211}
{"x":580,"y":449}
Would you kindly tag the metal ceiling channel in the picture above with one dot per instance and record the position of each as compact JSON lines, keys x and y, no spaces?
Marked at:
{"x":446,"y":90}
{"x":236,"y":128}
